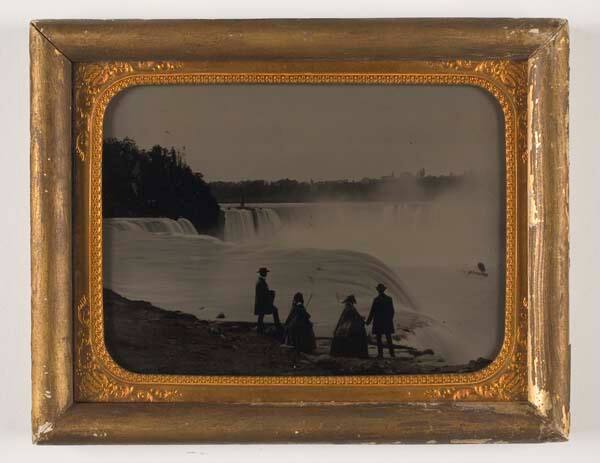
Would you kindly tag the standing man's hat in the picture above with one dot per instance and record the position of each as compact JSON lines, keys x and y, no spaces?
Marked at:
{"x":381,"y":287}
{"x":263,"y":270}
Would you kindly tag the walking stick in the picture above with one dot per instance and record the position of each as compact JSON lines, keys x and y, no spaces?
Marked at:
{"x":309,"y":299}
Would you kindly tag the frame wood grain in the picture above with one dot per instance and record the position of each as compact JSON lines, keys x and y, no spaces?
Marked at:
{"x":56,"y":46}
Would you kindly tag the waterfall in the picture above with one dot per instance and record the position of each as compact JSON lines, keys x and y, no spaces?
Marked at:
{"x":268,"y":222}
{"x":328,"y":224}
{"x":187,"y":226}
{"x":239,"y":225}
{"x":249,"y":224}
{"x":161,"y":225}
{"x":326,"y":251}
{"x":123,"y":224}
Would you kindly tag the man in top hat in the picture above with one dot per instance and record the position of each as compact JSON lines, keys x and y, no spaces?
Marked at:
{"x":382,"y":316}
{"x":263,"y":301}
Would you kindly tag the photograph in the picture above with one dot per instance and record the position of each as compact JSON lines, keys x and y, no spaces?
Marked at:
{"x":298,"y":229}
{"x":310,"y":228}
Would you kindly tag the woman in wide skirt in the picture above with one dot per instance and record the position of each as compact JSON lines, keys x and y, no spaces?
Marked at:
{"x":299,"y":328}
{"x":350,"y":336}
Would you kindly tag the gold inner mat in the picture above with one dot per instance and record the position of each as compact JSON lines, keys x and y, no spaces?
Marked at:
{"x":99,"y":378}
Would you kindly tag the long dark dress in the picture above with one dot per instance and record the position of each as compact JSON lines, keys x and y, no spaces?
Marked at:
{"x":299,"y":330}
{"x":350,"y":337}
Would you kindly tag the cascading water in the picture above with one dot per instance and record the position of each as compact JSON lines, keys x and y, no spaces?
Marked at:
{"x":325,"y":250}
{"x":187,"y":226}
{"x":239,"y":225}
{"x":249,"y":224}
{"x":160,"y":225}
{"x":268,"y":222}
{"x":126,"y":225}
{"x":244,"y":224}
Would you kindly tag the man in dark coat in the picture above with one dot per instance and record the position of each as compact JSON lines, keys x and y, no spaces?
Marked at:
{"x":382,"y":316}
{"x":263,"y":301}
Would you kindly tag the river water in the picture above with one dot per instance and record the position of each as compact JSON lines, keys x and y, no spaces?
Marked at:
{"x":327,"y":251}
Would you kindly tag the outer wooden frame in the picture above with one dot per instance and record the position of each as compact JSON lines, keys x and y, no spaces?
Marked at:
{"x":57,"y":45}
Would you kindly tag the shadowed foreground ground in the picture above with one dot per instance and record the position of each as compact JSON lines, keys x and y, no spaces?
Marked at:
{"x":146,"y":339}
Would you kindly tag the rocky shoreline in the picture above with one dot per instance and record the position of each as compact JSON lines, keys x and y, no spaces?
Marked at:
{"x":147,"y":339}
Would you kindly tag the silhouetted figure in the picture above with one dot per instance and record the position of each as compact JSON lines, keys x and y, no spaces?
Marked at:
{"x":350,"y":337}
{"x":264,"y":299}
{"x":299,"y":328}
{"x":382,"y":316}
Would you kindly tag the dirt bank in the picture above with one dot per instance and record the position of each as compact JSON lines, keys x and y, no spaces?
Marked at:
{"x":147,"y":339}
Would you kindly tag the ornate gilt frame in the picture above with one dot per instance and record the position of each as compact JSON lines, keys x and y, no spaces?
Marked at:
{"x":522,"y":395}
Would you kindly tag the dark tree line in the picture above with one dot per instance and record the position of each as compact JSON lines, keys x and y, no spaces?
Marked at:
{"x":155,"y":183}
{"x":256,"y":191}
{"x":406,"y":187}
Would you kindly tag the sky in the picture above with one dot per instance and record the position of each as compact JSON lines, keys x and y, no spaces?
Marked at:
{"x":304,"y":132}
